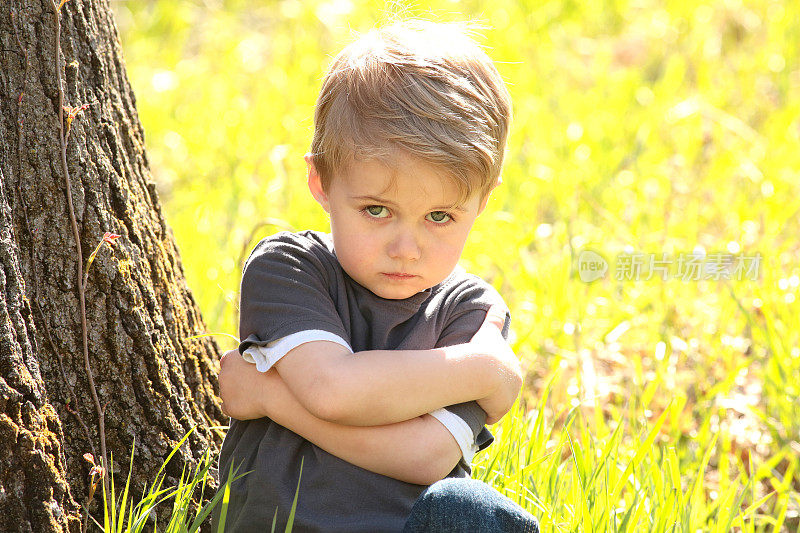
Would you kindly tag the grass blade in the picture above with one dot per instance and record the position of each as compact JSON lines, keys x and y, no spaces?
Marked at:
{"x":290,"y":522}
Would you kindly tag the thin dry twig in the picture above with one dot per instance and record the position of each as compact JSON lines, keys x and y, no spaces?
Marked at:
{"x":79,"y":255}
{"x":23,"y":203}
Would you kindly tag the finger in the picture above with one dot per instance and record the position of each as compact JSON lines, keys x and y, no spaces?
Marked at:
{"x":496,"y":315}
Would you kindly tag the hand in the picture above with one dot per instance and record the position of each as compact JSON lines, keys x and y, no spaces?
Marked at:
{"x":508,"y":372}
{"x":241,"y":387}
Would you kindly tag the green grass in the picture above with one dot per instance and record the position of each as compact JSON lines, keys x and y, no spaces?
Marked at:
{"x":646,"y":126}
{"x":191,"y":505}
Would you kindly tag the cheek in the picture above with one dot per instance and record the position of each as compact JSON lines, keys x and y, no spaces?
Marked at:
{"x":447,"y":253}
{"x":455,"y":242}
{"x":449,"y":250}
{"x":355,"y":248}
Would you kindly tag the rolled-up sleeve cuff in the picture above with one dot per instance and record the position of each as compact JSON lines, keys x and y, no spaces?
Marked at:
{"x":460,"y":431}
{"x":266,"y":356}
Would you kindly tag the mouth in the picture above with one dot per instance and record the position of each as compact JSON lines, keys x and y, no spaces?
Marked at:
{"x":399,"y":276}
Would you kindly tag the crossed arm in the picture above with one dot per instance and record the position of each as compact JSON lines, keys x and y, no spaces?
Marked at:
{"x":369,"y":408}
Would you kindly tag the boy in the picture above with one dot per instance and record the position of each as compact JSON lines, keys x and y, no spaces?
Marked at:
{"x":377,"y":360}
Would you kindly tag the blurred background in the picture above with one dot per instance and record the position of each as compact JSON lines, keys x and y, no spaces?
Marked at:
{"x":640,"y":127}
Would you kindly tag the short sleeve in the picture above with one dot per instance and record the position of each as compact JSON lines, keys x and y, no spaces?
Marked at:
{"x":463,"y":326}
{"x":466,"y":317}
{"x":285,"y":290}
{"x":265,"y":357}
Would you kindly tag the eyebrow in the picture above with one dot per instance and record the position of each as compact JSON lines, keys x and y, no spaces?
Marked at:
{"x":384,"y":201}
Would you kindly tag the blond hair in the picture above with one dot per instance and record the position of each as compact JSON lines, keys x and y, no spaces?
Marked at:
{"x":423,"y":88}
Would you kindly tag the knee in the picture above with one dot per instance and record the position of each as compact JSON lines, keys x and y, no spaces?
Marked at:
{"x":455,"y":490}
{"x":469,"y":501}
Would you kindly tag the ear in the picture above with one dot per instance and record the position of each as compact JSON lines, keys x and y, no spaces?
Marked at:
{"x":485,"y":199}
{"x":315,"y":184}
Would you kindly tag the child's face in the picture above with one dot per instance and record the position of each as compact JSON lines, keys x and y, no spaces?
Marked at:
{"x":395,"y":231}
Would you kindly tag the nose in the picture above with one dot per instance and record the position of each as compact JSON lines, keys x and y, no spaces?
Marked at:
{"x":404,"y":246}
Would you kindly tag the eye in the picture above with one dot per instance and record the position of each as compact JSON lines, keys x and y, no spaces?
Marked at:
{"x":376,"y":211}
{"x":439,"y":217}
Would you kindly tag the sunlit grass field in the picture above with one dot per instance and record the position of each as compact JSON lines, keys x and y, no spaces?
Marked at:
{"x":640,"y":127}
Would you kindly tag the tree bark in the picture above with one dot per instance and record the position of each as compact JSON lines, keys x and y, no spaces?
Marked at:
{"x":152,"y":381}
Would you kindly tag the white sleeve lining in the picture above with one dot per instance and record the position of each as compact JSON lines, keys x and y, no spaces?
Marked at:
{"x":266,"y":356}
{"x":460,"y":430}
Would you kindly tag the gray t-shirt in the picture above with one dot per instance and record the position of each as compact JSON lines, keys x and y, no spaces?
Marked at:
{"x":293,"y":282}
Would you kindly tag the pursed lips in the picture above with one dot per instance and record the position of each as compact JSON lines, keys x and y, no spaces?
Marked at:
{"x":399,"y":275}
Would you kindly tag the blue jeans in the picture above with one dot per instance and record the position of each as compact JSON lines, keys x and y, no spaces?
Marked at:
{"x":464,"y":505}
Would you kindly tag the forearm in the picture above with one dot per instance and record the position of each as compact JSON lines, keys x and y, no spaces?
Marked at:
{"x":387,"y":386}
{"x":383,"y":387}
{"x":419,"y":450}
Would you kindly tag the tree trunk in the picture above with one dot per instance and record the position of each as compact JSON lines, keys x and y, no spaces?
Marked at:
{"x":152,"y":382}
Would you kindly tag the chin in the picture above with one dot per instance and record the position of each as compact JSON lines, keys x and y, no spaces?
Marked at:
{"x":394,"y":294}
{"x":391,"y":290}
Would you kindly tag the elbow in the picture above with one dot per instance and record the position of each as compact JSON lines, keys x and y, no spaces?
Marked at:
{"x":518,"y":382}
{"x":444,"y":463}
{"x":517,"y":377}
{"x":433,"y":474}
{"x":421,"y":469}
{"x":435,"y":460}
{"x":514,"y":385}
{"x":233,"y":409}
{"x":323,"y":407}
{"x":434,"y":467}
{"x":322,"y":395}
{"x":228,"y":389}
